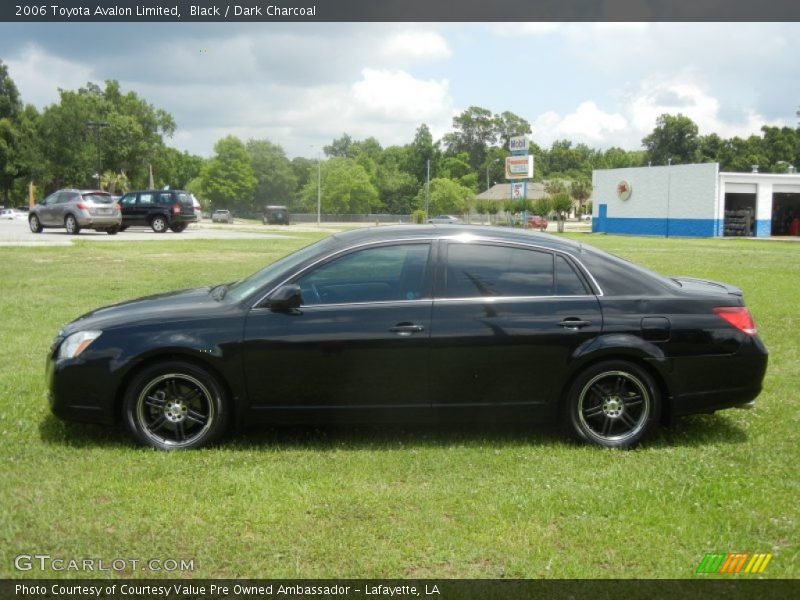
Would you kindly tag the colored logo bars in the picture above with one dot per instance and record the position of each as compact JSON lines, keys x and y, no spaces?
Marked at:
{"x":734,"y":562}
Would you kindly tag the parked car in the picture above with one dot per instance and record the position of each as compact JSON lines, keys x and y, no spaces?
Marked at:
{"x":197,"y":209}
{"x":414,"y":322}
{"x":221,"y":216}
{"x":444,"y":220}
{"x":537,"y":222}
{"x":586,"y":217}
{"x":11,"y":214}
{"x":75,"y":210}
{"x":158,"y":209}
{"x":275,"y":215}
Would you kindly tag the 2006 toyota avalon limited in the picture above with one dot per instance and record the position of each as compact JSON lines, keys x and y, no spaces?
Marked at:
{"x":409,"y":323}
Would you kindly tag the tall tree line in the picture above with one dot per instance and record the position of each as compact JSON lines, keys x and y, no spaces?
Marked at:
{"x":102,"y":135}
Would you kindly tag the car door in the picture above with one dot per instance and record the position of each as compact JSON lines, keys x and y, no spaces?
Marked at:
{"x":506,"y":320}
{"x":47,"y":209}
{"x":145,"y":207}
{"x":127,"y":205}
{"x":62,"y":206}
{"x":359,"y":339}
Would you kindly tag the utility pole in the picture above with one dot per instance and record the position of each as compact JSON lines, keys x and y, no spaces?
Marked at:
{"x":319,"y":189}
{"x":427,"y":189}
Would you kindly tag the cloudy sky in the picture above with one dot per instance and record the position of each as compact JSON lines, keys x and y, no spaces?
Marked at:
{"x":301,"y":85}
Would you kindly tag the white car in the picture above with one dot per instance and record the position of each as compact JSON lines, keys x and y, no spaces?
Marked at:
{"x":445,"y":220}
{"x":10,"y":214}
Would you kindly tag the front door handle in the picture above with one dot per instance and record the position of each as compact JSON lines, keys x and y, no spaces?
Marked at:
{"x":406,"y":329}
{"x":574,"y":323}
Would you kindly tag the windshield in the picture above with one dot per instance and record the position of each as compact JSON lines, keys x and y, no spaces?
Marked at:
{"x":246,"y":288}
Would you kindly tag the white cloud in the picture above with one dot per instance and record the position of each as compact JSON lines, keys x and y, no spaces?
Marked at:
{"x":587,"y":123}
{"x":398,"y":95}
{"x":39,"y":75}
{"x":405,"y":46}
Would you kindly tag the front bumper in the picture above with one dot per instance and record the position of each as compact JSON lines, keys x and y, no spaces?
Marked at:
{"x":79,"y":390}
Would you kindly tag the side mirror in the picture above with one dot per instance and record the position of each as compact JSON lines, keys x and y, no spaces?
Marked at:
{"x":286,"y":298}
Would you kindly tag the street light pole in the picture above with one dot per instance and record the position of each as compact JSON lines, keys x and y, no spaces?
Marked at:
{"x":97,"y":126}
{"x":319,"y":189}
{"x":487,"y":171}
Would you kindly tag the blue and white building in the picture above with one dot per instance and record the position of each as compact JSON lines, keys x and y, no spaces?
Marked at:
{"x":695,"y":200}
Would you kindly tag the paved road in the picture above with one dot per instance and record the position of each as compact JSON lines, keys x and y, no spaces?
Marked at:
{"x":16,"y":233}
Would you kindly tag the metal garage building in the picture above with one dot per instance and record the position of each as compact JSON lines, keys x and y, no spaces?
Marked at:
{"x":695,"y":200}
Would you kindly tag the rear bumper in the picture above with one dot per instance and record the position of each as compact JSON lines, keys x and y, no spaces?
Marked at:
{"x":99,"y":222}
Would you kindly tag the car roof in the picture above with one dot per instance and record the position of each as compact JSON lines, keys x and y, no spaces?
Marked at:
{"x":502,"y":234}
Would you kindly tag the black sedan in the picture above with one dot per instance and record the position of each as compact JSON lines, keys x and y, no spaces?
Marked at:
{"x":411,"y":323}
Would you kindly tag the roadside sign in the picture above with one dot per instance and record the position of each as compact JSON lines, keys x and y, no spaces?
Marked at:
{"x":519,"y":167}
{"x":518,"y":144}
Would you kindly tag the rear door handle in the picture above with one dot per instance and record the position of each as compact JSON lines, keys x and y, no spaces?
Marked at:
{"x":574,"y":323}
{"x":406,"y":329}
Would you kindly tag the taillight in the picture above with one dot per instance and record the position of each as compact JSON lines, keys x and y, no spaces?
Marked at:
{"x":739,"y":317}
{"x":83,"y":206}
{"x":176,"y":209}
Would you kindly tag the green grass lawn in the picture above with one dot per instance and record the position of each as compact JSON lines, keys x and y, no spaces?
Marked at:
{"x":411,"y":502}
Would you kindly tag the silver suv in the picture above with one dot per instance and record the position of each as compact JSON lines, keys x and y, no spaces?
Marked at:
{"x":75,"y":210}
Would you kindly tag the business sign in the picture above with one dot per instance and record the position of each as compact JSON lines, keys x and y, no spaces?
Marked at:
{"x":624,"y":190}
{"x":518,"y":190}
{"x":518,"y":143}
{"x":519,"y":167}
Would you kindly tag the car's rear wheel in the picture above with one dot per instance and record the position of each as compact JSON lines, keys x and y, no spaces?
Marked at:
{"x":35,"y":224}
{"x":612,"y":404}
{"x":175,"y":405}
{"x":112,"y":231}
{"x":178,"y":227}
{"x":159,"y":224}
{"x":71,"y":225}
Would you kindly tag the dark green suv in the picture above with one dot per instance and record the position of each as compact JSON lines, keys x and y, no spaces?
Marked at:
{"x":158,"y":209}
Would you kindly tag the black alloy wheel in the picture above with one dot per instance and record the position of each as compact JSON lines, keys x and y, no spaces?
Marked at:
{"x":612,"y":404}
{"x":175,"y":405}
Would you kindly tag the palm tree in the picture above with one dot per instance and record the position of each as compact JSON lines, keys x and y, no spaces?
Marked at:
{"x":581,"y":191}
{"x":110,"y":181}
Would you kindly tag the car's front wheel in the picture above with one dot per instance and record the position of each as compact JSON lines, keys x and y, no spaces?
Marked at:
{"x":175,"y":405}
{"x":612,"y":404}
{"x":159,"y":224}
{"x":35,"y":224}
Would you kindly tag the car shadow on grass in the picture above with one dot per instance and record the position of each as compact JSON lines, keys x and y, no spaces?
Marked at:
{"x":693,"y":431}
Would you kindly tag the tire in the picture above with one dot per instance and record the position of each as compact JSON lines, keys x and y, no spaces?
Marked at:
{"x":71,"y":225}
{"x":123,"y":227}
{"x":35,"y":224}
{"x":159,"y":223}
{"x":175,"y":405}
{"x":178,"y":227}
{"x":112,"y":231}
{"x":612,"y":404}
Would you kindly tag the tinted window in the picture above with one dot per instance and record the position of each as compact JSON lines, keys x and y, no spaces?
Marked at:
{"x":51,"y":199}
{"x":146,"y":198}
{"x":482,"y":270}
{"x":386,"y":273}
{"x":185,"y":199}
{"x":165,"y":198}
{"x":128,"y":199}
{"x":64,"y":197}
{"x":568,"y":282}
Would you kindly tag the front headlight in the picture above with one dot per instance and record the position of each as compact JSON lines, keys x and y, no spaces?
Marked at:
{"x":77,"y":343}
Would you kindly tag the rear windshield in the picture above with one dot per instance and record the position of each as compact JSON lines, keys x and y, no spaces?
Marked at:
{"x":98,"y":198}
{"x":185,"y":199}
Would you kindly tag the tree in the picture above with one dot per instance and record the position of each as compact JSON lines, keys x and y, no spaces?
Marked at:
{"x":509,"y":125}
{"x":674,"y":140}
{"x":275,"y":179}
{"x":421,"y":150}
{"x":446,"y":197}
{"x":580,"y":191}
{"x":396,"y":189}
{"x":112,"y":182}
{"x":475,"y":130}
{"x":10,"y":107}
{"x":227,"y":179}
{"x":341,"y":147}
{"x":346,"y":189}
{"x":561,"y":204}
